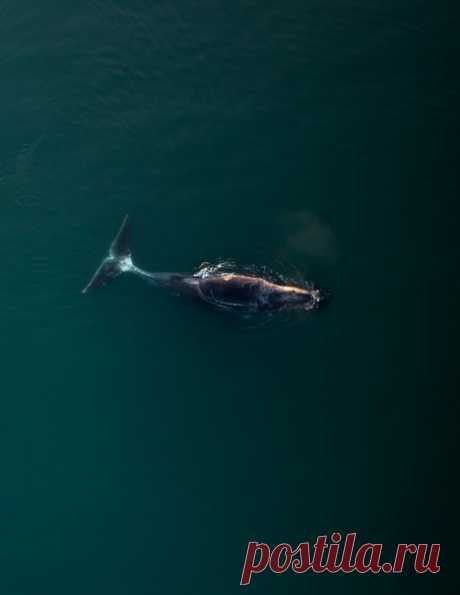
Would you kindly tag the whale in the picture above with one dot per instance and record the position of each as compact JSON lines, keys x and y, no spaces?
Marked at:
{"x":228,"y":291}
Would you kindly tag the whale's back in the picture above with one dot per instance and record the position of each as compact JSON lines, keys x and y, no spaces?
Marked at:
{"x":233,"y":291}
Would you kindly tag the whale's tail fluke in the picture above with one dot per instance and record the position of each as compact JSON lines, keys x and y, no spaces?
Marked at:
{"x":119,"y":248}
{"x":118,"y":261}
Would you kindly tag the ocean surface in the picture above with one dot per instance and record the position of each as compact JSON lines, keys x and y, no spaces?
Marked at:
{"x":145,"y":439}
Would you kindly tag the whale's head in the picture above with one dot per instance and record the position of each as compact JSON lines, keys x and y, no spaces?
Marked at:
{"x":312,"y":299}
{"x":318,"y":298}
{"x":300,"y":298}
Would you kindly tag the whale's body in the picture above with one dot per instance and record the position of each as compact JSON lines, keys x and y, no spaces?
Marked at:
{"x":226,"y":291}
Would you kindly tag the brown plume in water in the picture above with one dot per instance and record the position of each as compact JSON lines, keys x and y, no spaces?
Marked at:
{"x":307,"y":235}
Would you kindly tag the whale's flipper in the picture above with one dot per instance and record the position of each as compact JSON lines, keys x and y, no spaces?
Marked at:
{"x":118,"y":261}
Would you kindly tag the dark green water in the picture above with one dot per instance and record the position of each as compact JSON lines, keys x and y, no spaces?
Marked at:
{"x":145,"y":440}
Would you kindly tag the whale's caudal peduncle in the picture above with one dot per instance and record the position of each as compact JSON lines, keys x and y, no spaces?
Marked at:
{"x":228,"y":291}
